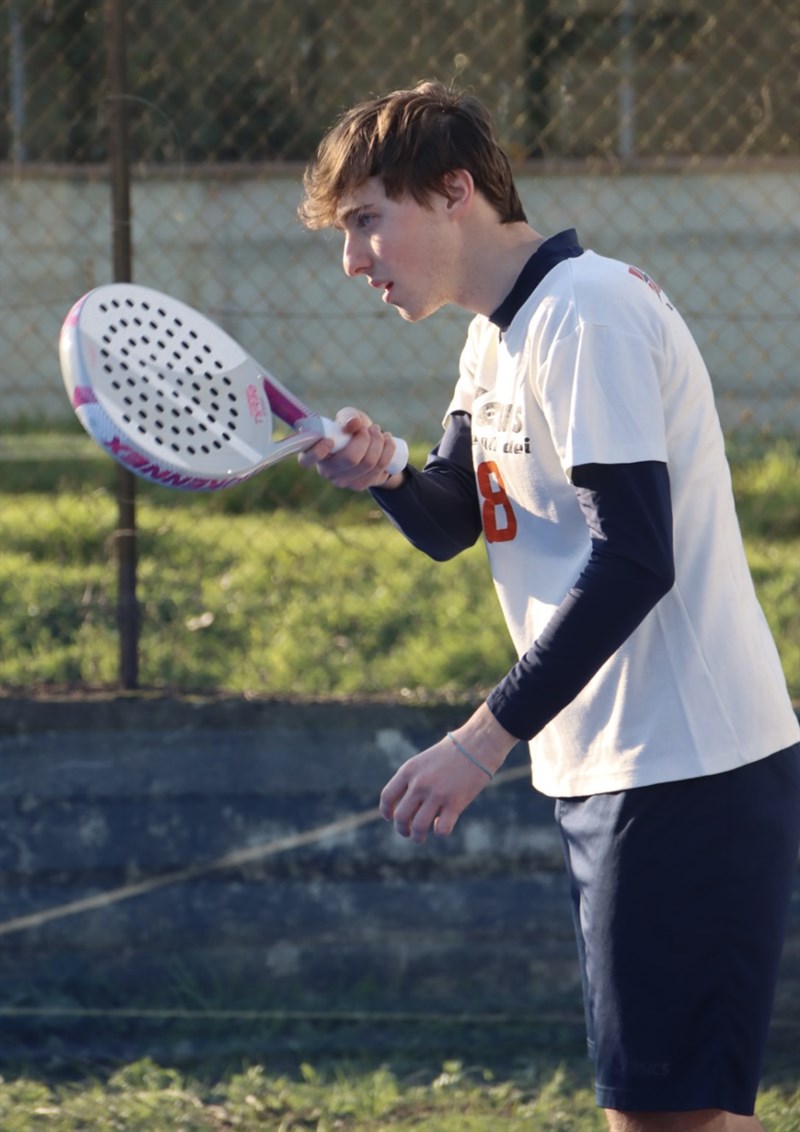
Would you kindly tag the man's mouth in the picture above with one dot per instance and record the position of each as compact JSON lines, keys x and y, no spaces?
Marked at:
{"x":386,"y":287}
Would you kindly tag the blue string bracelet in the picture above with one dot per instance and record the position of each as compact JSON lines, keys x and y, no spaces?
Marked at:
{"x":467,"y":755}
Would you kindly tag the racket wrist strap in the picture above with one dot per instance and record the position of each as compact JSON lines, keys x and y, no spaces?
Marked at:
{"x":467,"y":755}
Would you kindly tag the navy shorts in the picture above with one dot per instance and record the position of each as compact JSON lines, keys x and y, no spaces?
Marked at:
{"x":680,"y":897}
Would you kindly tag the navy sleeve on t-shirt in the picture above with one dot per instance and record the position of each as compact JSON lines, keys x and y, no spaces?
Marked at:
{"x":628,"y":512}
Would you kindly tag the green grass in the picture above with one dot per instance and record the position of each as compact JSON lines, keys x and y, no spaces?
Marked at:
{"x":239,"y":591}
{"x":144,"y":1096}
{"x":285,"y":586}
{"x":767,"y":490}
{"x":280,"y":606}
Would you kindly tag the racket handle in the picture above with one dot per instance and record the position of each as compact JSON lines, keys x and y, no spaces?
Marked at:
{"x":400,"y":457}
{"x":340,"y":438}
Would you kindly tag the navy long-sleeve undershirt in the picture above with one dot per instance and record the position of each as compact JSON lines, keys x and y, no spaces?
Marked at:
{"x":628,"y":511}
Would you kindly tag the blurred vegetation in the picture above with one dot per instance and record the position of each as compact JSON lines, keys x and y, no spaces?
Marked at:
{"x":544,"y":1095}
{"x":719,"y":78}
{"x":234,"y":598}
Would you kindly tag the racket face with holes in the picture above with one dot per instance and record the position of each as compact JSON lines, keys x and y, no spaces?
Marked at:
{"x":166,"y":391}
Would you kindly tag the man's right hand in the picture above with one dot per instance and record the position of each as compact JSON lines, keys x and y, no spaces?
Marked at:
{"x":363,"y":461}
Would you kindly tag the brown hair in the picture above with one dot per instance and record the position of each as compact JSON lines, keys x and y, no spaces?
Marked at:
{"x":411,"y":139}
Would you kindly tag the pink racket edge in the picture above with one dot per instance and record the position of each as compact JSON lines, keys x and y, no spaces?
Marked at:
{"x":126,"y":451}
{"x":284,"y":405}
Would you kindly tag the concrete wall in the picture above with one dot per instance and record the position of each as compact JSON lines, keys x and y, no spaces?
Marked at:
{"x":231,"y":856}
{"x":721,"y":244}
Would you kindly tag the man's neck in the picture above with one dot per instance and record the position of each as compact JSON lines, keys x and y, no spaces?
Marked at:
{"x":494,"y":257}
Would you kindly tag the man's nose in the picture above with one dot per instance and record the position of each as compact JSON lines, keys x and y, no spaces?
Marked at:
{"x":355,"y":259}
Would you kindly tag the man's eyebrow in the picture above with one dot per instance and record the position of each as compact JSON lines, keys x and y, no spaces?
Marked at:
{"x":343,"y":218}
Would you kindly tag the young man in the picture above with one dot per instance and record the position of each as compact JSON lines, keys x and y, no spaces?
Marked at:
{"x":582,"y":444}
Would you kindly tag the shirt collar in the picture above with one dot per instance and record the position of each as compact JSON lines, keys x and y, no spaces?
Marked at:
{"x":555,"y":249}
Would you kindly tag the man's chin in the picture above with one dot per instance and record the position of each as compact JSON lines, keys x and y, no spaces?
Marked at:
{"x":413,"y":315}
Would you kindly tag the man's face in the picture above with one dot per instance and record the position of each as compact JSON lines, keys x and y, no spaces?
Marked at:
{"x":402,"y":248}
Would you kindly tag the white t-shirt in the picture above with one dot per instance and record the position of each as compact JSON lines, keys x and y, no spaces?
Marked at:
{"x":597,"y":366}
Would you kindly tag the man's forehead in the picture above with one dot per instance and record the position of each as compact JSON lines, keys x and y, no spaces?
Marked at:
{"x":368,"y":194}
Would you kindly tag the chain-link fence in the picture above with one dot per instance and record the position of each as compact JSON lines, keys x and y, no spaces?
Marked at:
{"x":665,"y":132}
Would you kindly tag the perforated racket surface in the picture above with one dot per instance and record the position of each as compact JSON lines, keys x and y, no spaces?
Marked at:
{"x":172,"y":396}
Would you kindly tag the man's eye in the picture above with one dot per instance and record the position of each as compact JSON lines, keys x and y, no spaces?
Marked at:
{"x":364,"y":219}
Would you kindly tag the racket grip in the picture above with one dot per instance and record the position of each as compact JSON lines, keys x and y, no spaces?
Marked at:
{"x":400,"y":457}
{"x":340,"y":438}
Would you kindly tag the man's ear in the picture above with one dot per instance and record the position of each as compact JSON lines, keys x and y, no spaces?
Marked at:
{"x":458,"y":189}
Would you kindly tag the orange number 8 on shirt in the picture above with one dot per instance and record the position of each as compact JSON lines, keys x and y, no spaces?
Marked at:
{"x":499,"y":521}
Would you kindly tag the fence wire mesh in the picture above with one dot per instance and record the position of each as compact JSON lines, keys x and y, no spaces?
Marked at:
{"x":665,"y":131}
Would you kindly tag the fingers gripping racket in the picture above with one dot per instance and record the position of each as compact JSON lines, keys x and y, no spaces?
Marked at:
{"x":174,"y":398}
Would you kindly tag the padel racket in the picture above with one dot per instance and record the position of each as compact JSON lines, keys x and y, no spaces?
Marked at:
{"x":174,"y":398}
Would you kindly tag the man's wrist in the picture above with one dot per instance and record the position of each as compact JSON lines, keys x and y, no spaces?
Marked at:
{"x":392,"y":482}
{"x":486,"y":740}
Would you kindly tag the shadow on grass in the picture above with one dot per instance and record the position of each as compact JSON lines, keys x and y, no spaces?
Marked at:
{"x":82,"y":1048}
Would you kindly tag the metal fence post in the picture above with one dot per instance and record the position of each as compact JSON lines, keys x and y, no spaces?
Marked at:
{"x":125,"y":541}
